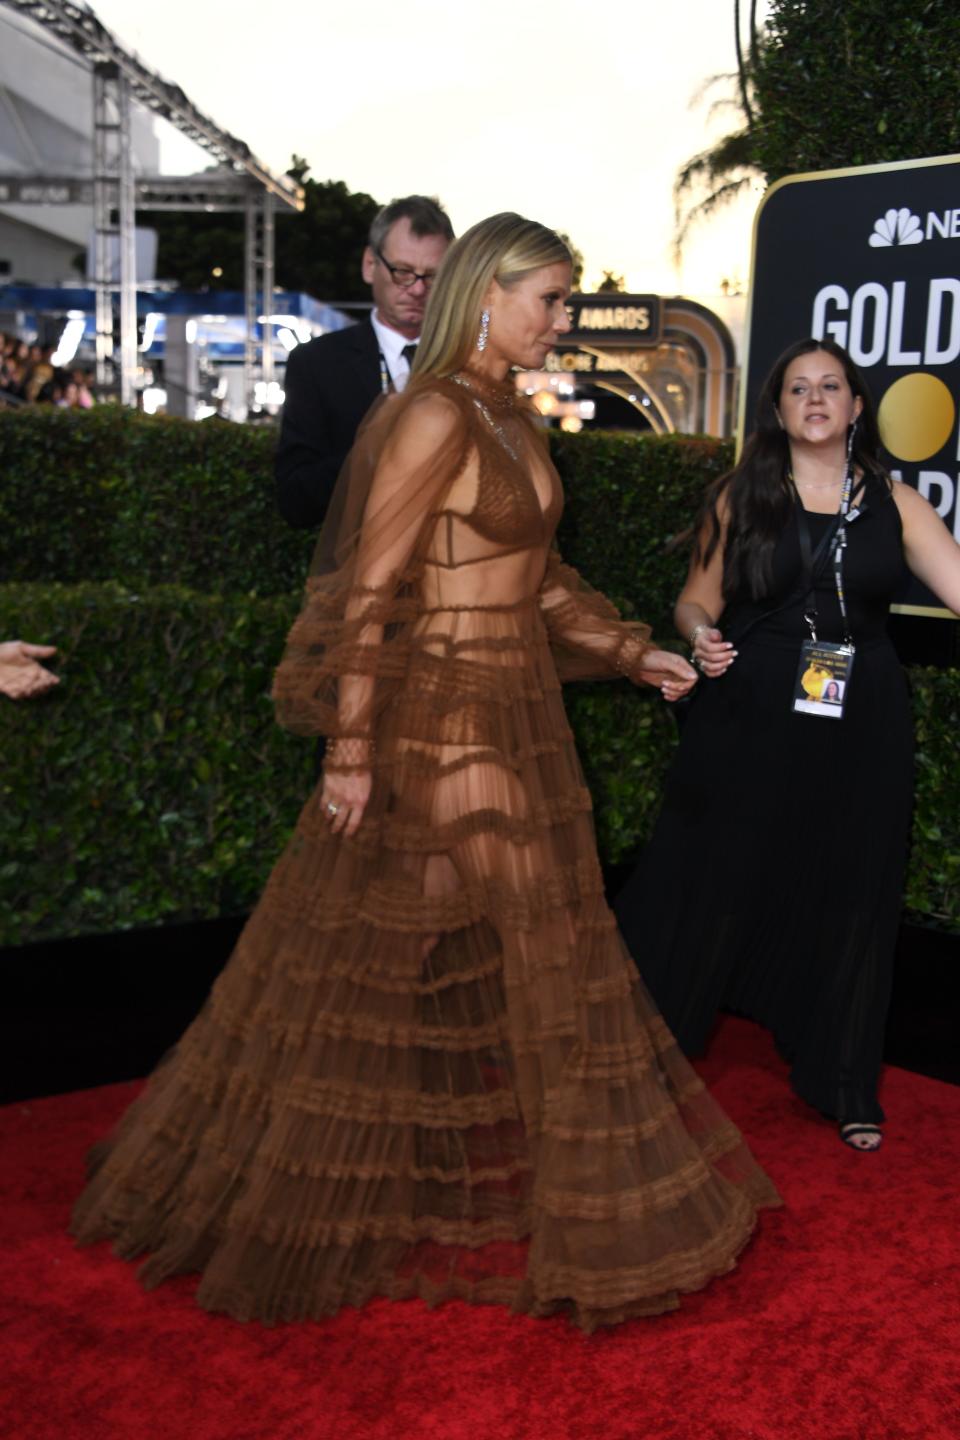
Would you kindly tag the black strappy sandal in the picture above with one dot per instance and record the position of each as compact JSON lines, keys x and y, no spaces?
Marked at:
{"x":849,"y":1131}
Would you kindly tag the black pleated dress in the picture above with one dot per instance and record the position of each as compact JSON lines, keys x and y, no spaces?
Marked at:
{"x":772,"y":883}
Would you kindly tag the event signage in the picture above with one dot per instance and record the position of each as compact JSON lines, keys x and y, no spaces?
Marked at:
{"x":591,"y":364}
{"x":612,"y":334}
{"x":609,"y":318}
{"x":15,"y":190}
{"x":870,"y":257}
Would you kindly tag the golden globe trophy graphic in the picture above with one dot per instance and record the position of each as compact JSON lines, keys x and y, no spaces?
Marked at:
{"x":917,"y":416}
{"x":870,"y":257}
{"x":813,"y":680}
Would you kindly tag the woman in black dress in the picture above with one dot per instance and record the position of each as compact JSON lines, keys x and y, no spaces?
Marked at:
{"x":772,"y":882}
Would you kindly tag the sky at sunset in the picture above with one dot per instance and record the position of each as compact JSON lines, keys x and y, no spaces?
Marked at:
{"x":576,"y":114}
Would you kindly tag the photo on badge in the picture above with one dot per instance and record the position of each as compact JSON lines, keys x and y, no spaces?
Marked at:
{"x":822,"y":679}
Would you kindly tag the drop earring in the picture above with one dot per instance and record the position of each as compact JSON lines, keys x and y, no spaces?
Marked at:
{"x":850,"y":439}
{"x":484,"y":330}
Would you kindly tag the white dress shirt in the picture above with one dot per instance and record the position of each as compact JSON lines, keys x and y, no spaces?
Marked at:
{"x":391,"y":348}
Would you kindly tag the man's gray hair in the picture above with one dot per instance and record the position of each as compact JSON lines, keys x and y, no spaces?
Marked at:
{"x":426,"y":216}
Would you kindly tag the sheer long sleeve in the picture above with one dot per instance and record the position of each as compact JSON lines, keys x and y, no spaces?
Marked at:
{"x":347,"y":651}
{"x":588,"y":637}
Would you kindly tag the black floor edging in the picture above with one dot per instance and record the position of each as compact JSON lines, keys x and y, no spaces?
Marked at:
{"x":102,"y":1008}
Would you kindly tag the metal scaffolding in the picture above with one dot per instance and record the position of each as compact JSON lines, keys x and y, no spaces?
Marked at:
{"x":121,"y":80}
{"x":258,"y":281}
{"x":114,"y":229}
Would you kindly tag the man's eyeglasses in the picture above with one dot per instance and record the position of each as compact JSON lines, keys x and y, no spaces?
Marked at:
{"x":403,"y":276}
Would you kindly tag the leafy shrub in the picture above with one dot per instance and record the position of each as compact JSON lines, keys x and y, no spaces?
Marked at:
{"x":851,"y":82}
{"x":109,"y":494}
{"x":153,"y":783}
{"x":932,"y":890}
{"x":113,"y":495}
{"x":627,"y":497}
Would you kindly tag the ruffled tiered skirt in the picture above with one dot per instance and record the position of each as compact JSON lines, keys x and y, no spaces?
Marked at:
{"x":429,"y":1068}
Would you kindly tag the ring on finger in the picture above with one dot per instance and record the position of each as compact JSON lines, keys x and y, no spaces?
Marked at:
{"x":332,"y":809}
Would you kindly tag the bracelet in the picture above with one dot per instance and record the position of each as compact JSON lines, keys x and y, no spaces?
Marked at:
{"x":697,"y":630}
{"x":630,"y":652}
{"x":350,"y":752}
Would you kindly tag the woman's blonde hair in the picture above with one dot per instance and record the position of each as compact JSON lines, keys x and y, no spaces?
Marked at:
{"x":504,"y":248}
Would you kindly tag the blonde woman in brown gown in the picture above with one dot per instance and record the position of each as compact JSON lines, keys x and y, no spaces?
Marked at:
{"x":429,"y":1067}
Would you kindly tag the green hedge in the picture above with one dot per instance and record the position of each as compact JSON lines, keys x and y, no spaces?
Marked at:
{"x":933,"y":879}
{"x":113,"y":495}
{"x":109,"y":494}
{"x":627,"y":497}
{"x":153,"y":784}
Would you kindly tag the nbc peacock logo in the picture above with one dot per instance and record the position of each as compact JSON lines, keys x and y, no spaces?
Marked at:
{"x":897,"y":227}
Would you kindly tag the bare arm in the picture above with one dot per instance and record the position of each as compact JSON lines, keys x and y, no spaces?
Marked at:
{"x":699,"y":608}
{"x":931,"y":551}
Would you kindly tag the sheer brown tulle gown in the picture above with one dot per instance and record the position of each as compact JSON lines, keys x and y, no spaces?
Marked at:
{"x":429,"y":1067}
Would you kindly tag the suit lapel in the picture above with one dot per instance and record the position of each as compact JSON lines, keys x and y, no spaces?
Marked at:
{"x":364,"y":355}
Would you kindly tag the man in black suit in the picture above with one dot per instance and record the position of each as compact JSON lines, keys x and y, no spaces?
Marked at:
{"x":332,"y":381}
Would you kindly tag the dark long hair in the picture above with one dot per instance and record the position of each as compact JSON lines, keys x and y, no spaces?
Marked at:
{"x":758,"y":492}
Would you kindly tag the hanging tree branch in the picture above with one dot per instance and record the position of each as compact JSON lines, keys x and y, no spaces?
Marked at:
{"x":753,"y":33}
{"x":729,"y":166}
{"x":741,"y":64}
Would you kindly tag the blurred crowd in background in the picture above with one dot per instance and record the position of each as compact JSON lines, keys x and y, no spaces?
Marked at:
{"x":28,"y":376}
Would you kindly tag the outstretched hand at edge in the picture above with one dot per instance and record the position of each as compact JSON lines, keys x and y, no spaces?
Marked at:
{"x":21,"y":674}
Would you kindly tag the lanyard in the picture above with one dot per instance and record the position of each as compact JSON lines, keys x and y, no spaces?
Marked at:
{"x":835,"y":541}
{"x":384,"y":375}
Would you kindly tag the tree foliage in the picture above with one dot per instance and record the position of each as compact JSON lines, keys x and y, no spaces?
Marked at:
{"x":577,"y":258}
{"x":317,"y":250}
{"x":825,"y":84}
{"x":719,"y":173}
{"x":851,"y":82}
{"x":320,"y":250}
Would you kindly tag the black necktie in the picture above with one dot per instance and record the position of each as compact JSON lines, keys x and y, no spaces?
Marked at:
{"x":408,"y":353}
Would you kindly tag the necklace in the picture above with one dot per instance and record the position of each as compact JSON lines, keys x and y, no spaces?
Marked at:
{"x":811,"y":485}
{"x":498,"y":394}
{"x":494,"y":424}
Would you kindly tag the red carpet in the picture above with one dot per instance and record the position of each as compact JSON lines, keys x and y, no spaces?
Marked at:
{"x":841,"y":1323}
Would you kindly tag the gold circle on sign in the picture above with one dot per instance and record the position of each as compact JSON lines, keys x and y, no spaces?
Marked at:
{"x":916,"y":416}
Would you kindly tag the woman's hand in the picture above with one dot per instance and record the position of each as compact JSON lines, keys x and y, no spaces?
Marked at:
{"x":673,"y":676}
{"x":347,"y":782}
{"x":344,"y":798}
{"x":712,"y":655}
{"x":21,"y":674}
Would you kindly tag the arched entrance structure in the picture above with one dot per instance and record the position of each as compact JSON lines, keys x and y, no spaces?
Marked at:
{"x":672,"y":360}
